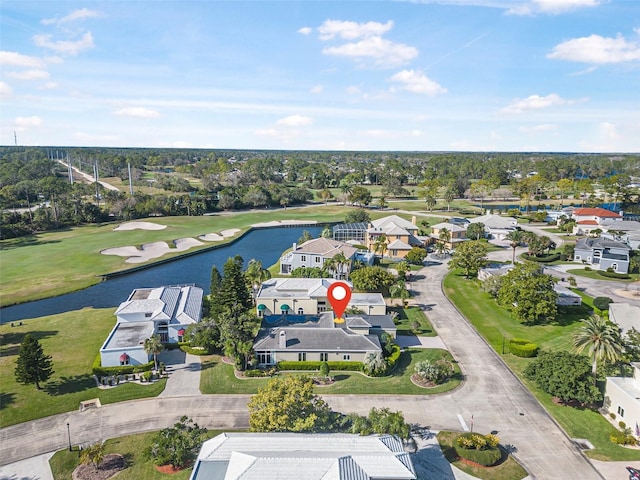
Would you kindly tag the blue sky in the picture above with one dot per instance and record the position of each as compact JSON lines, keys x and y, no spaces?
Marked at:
{"x":463,"y":75}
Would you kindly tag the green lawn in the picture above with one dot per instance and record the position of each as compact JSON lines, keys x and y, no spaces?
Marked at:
{"x":508,"y":469}
{"x":38,"y":266}
{"x":131,"y":447}
{"x":218,"y":377}
{"x":495,"y":323}
{"x":581,"y":272}
{"x":73,"y":340}
{"x":406,"y":316}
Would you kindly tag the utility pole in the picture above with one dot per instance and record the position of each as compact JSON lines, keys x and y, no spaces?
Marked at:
{"x":130,"y":181}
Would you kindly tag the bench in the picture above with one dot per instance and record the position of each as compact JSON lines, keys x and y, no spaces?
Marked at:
{"x":93,"y":403}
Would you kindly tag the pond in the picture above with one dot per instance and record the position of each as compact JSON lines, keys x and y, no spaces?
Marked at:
{"x":265,"y":245}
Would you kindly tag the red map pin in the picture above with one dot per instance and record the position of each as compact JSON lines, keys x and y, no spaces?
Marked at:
{"x":339,"y":294}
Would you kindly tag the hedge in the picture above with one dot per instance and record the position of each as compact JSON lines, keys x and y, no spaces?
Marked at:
{"x":194,"y":350}
{"x":621,"y":276}
{"x":100,"y":371}
{"x":486,"y":457}
{"x":393,"y":358}
{"x":313,"y":365}
{"x":521,"y":347}
{"x":544,"y":259}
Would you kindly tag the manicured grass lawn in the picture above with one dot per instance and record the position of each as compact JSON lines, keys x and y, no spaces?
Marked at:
{"x":39,"y":266}
{"x":406,"y":316}
{"x":73,"y":340}
{"x":132,"y":448}
{"x":493,"y":322}
{"x":218,"y":377}
{"x":581,"y":272}
{"x":507,"y":470}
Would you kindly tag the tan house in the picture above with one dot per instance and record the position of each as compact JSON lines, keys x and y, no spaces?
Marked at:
{"x":458,"y":234}
{"x":588,"y":219}
{"x":308,"y":296}
{"x":398,"y":235}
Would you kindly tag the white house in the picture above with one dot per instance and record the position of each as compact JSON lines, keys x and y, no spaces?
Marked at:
{"x":603,"y":253}
{"x":308,"y":296}
{"x":163,"y":311}
{"x":497,"y":226}
{"x":315,"y":252}
{"x":308,"y":456}
{"x":588,"y":219}
{"x":622,"y":398}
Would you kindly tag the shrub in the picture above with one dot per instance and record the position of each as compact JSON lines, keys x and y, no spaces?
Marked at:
{"x":623,"y":439}
{"x":621,"y":276}
{"x":324,"y":369}
{"x":542,"y":259}
{"x":587,"y":269}
{"x":256,"y":372}
{"x":313,"y":365}
{"x":194,"y":350}
{"x":602,"y":303}
{"x":622,"y":425}
{"x":392,"y":359}
{"x":481,"y":449}
{"x":100,"y":371}
{"x":523,"y":348}
{"x":434,"y":372}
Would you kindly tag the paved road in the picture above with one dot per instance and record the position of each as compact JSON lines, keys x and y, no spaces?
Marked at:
{"x":492,"y":396}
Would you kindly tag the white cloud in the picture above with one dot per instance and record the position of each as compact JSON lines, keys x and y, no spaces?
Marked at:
{"x":295,"y":121}
{"x":609,"y":130}
{"x":305,"y":30}
{"x":5,"y":89}
{"x":316,"y":89}
{"x":597,"y":50}
{"x":29,"y":75}
{"x":352,"y":30}
{"x":137,"y":112}
{"x":417,"y":82}
{"x":383,"y":52}
{"x":65,"y":47}
{"x":552,"y":7}
{"x":34,"y":121}
{"x":72,"y":17}
{"x":353,"y":90}
{"x":18,"y":60}
{"x":535,"y":129}
{"x":535,"y":102}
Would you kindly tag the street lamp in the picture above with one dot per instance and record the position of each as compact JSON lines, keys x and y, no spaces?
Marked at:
{"x":69,"y":436}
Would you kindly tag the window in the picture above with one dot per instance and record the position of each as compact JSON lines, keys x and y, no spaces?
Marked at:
{"x":302,"y":356}
{"x":124,"y":362}
{"x":620,"y":411}
{"x":300,"y":311}
{"x":324,"y":357}
{"x":148,"y":315}
{"x":318,"y":260}
{"x":264,"y":358}
{"x":346,"y":357}
{"x":303,"y":258}
{"x":614,"y":266}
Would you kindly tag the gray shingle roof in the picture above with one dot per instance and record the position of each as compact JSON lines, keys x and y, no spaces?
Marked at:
{"x":316,"y":340}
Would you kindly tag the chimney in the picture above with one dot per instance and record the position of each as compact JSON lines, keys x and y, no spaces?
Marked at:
{"x":282,"y":340}
{"x":413,"y":219}
{"x":295,"y":247}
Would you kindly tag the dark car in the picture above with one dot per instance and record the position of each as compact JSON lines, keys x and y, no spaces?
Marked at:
{"x":634,"y":473}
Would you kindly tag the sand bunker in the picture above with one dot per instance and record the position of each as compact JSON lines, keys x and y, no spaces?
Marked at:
{"x":230,"y":232}
{"x":140,"y":226}
{"x":149,"y":251}
{"x":216,"y":237}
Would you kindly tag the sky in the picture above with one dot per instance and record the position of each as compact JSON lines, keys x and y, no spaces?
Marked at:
{"x":422,"y":75}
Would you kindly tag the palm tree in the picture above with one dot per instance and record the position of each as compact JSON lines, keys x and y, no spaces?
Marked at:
{"x":444,"y":235}
{"x":516,"y":237}
{"x":256,"y":275}
{"x":93,"y":454}
{"x":153,"y":346}
{"x":399,"y":290}
{"x":449,"y":196}
{"x":601,"y":339}
{"x":380,"y":244}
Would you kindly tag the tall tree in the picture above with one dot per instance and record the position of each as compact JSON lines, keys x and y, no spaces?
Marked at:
{"x":475,"y":230}
{"x":32,"y":366}
{"x":470,"y":257}
{"x":256,"y":275}
{"x":288,"y":404}
{"x":153,"y":346}
{"x":233,"y":288}
{"x":515,"y":237}
{"x":529,"y":293}
{"x":601,"y":339}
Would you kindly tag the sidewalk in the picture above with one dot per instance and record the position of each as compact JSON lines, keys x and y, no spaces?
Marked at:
{"x":36,"y":468}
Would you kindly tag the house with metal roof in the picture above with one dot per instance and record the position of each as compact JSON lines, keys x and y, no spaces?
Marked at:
{"x":399,"y":236}
{"x":164,"y":311}
{"x":308,"y":296}
{"x":297,"y":456}
{"x":603,"y":253}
